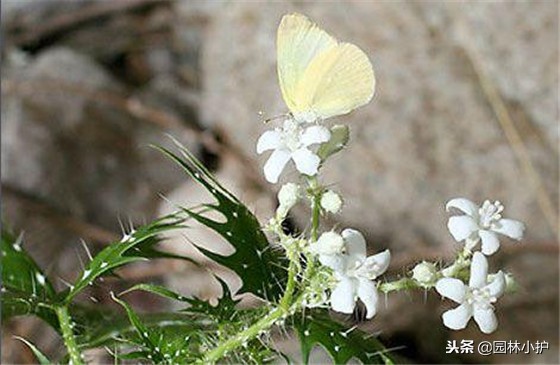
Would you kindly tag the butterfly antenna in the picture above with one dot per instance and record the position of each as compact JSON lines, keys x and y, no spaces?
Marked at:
{"x":281,"y":116}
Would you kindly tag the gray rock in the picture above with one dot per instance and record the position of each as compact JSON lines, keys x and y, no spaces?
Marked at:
{"x":67,"y":138}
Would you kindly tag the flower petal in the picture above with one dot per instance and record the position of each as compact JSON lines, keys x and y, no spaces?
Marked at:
{"x":335,"y":262}
{"x":355,"y":244}
{"x":457,"y":318}
{"x":315,"y":134}
{"x":486,"y":319}
{"x":375,"y":265}
{"x":367,"y":292}
{"x":451,"y":288}
{"x":510,"y":228}
{"x":275,"y":164}
{"x":464,"y":205}
{"x":269,"y":140}
{"x":306,"y":161}
{"x":343,"y":296}
{"x":462,"y":227}
{"x":329,"y":243}
{"x":490,"y":242}
{"x":497,"y":286}
{"x":479,"y":271}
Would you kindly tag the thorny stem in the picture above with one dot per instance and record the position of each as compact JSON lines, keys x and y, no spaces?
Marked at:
{"x":401,"y":284}
{"x":244,"y":336}
{"x":461,"y":262}
{"x":68,"y":335}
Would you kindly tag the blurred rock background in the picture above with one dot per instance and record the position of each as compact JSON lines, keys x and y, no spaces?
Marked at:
{"x":466,"y":105}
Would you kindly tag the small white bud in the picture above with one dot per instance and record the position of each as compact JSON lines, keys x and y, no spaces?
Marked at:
{"x":511,"y":284}
{"x":331,"y":202}
{"x":330,"y":243}
{"x":287,"y":197}
{"x":425,"y":273}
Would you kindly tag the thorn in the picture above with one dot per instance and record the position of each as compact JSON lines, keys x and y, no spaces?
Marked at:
{"x":88,"y":253}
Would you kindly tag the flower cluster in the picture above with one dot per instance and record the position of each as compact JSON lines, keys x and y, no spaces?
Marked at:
{"x":346,"y":274}
{"x":477,"y":224}
{"x":345,"y":271}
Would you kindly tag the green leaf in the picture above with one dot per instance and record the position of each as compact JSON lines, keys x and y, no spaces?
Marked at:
{"x":96,"y":327}
{"x":25,"y":289}
{"x":261,"y":269}
{"x":41,"y":358}
{"x":166,"y":343}
{"x":142,"y":331}
{"x":340,"y":136}
{"x":135,"y":246}
{"x":224,"y":310}
{"x":342,"y":344}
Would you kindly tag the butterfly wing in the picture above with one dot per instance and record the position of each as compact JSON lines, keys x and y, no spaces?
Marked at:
{"x":299,"y":41}
{"x":336,"y":81}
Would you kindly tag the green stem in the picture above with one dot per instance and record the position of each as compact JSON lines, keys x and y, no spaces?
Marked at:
{"x":401,"y":284}
{"x":244,"y":336}
{"x":68,"y":335}
{"x":286,"y":300}
{"x":315,"y":220}
{"x":316,"y":214}
{"x":462,"y":262}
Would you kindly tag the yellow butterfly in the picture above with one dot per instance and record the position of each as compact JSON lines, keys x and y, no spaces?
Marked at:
{"x":319,"y":76}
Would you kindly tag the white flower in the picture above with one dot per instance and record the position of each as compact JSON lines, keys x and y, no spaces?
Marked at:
{"x":482,"y":224}
{"x":287,"y":197}
{"x":476,"y":299}
{"x":291,"y":142}
{"x":425,"y":273}
{"x":330,"y":243}
{"x":355,"y":274}
{"x":331,"y":202}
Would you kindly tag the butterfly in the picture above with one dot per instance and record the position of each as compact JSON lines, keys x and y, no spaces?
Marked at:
{"x":319,"y":76}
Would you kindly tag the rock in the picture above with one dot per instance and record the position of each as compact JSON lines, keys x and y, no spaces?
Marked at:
{"x":63,"y":142}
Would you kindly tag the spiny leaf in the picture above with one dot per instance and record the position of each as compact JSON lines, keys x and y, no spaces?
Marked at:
{"x":25,"y":289}
{"x":260,"y":268}
{"x":224,"y":310}
{"x":135,"y":246}
{"x":142,"y":331}
{"x":96,"y":327}
{"x":165,"y":343}
{"x":41,"y":358}
{"x":342,"y":344}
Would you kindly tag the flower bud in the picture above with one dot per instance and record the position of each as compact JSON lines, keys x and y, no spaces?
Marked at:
{"x":425,"y":273}
{"x":330,"y":243}
{"x":511,"y":284}
{"x":287,"y":197}
{"x":331,"y":202}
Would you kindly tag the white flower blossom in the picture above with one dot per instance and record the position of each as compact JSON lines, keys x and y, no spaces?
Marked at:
{"x":288,"y":196}
{"x":355,"y":274}
{"x":425,"y":273}
{"x":482,"y":224}
{"x":291,"y":142}
{"x":330,"y":243}
{"x":331,"y":202}
{"x":475,"y":299}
